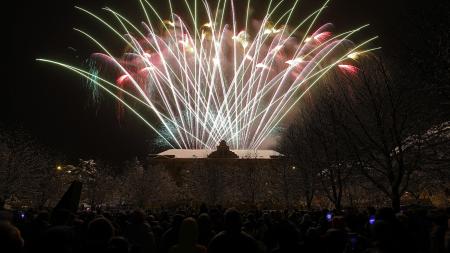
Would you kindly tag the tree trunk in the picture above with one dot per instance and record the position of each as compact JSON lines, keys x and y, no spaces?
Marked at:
{"x":309,"y":195}
{"x":337,"y":203}
{"x":308,"y":204}
{"x":395,"y":201}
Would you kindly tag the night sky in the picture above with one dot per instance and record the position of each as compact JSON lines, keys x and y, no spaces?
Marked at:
{"x":55,"y":106}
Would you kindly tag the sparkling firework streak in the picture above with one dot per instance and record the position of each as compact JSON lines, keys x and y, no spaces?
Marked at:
{"x":216,"y":81}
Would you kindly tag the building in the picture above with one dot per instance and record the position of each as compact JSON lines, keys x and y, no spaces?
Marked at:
{"x":221,"y":175}
{"x":222,"y":152}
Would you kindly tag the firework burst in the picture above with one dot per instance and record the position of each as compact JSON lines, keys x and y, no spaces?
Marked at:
{"x":216,"y":81}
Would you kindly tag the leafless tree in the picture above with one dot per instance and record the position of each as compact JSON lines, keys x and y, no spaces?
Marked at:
{"x":378,"y":114}
{"x":294,"y":145}
{"x":432,"y":174}
{"x":316,"y":143}
{"x":26,"y":168}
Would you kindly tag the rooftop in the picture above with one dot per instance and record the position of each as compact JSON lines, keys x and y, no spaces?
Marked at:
{"x":203,"y":153}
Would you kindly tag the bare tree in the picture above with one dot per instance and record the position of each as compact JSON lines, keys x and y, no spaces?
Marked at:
{"x":432,"y":174}
{"x":26,"y":168}
{"x":139,"y":184}
{"x":361,"y":121}
{"x":294,"y":145}
{"x":379,"y":113}
{"x":316,"y":142}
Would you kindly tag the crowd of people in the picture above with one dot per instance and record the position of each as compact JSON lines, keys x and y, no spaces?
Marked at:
{"x":219,"y":230}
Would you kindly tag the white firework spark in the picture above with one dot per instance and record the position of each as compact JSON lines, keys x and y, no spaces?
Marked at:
{"x":213,"y":81}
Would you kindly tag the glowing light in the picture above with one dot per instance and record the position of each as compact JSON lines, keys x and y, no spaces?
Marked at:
{"x":322,"y":36}
{"x":146,"y":69}
{"x":277,"y":48}
{"x":348,"y":68}
{"x":295,"y":61}
{"x":270,"y":29}
{"x":121,"y":79}
{"x":59,"y":167}
{"x":353,"y":55}
{"x":372,"y":219}
{"x":184,"y":42}
{"x":329,"y":216}
{"x":241,"y":37}
{"x":168,"y":22}
{"x":208,"y":25}
{"x":261,"y":66}
{"x":201,"y":86}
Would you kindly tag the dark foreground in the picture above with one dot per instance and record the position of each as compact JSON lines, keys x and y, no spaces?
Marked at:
{"x":219,"y":230}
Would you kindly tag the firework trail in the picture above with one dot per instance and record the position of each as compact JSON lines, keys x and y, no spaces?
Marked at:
{"x":214,"y":81}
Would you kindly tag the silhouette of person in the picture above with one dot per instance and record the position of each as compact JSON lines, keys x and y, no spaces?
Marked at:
{"x":287,"y":239}
{"x":233,"y":239}
{"x":100,"y":231}
{"x":187,"y":238}
{"x":170,"y":237}
{"x":139,"y":233}
{"x":118,"y":244}
{"x":10,"y":238}
{"x":204,"y":229}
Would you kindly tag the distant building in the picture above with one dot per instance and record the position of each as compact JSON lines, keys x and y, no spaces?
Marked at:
{"x":221,"y":175}
{"x":222,"y":152}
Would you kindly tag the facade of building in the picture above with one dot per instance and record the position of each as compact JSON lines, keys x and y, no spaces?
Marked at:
{"x":222,"y":176}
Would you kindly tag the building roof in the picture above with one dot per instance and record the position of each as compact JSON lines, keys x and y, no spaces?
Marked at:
{"x":203,"y":153}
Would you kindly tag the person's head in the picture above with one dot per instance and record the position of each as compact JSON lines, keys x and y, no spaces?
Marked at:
{"x":177,"y":220}
{"x":382,"y":232}
{"x":233,"y":221}
{"x":338,"y":222}
{"x":57,"y":239}
{"x":288,"y":234}
{"x":118,"y":244}
{"x":6,"y":216}
{"x":100,"y":229}
{"x":43,"y":216}
{"x":306,"y":219}
{"x":61,"y":217}
{"x":438,"y":218}
{"x":203,"y":208}
{"x":386,"y":214}
{"x":188,"y":233}
{"x":10,"y":238}
{"x":138,"y":216}
{"x":204,"y":222}
{"x":251,"y":217}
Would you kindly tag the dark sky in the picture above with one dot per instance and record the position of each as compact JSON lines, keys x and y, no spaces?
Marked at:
{"x":56,"y":107}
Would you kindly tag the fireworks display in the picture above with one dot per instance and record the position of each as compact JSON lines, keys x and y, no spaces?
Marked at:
{"x":218,"y":80}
